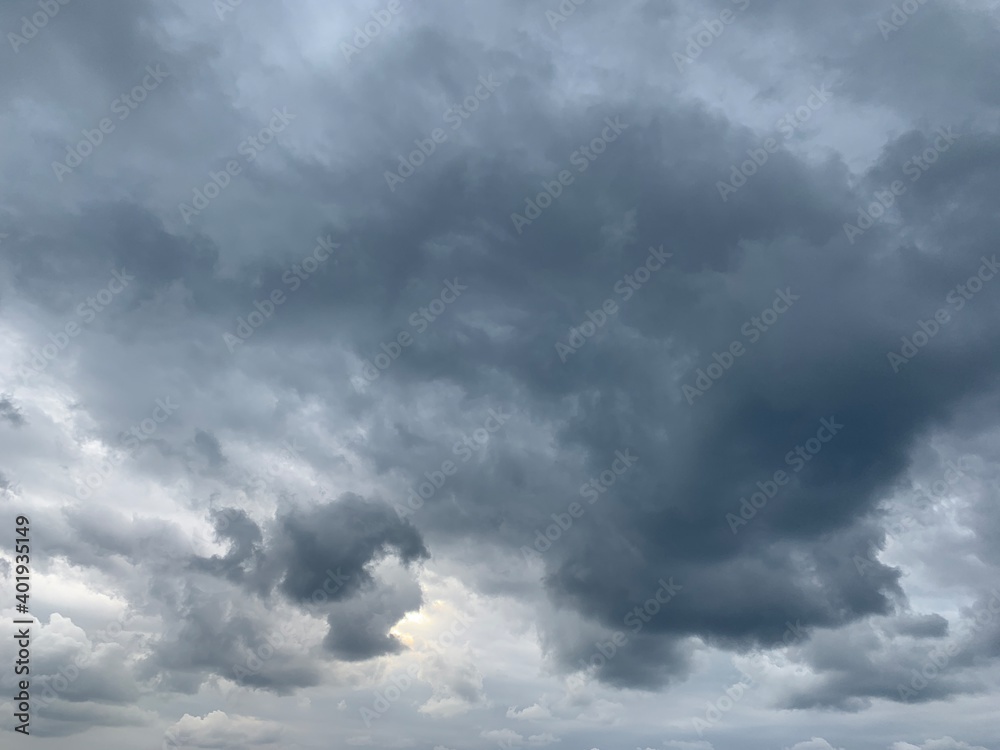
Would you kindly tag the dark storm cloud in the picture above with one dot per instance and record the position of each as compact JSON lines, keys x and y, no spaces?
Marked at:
{"x":212,"y":634}
{"x":323,"y":550}
{"x":111,"y":540}
{"x":323,"y":554}
{"x":860,"y":664}
{"x":359,"y":628}
{"x":792,"y":561}
{"x":701,"y":458}
{"x":106,"y":677}
{"x":343,"y":536}
{"x":245,"y":537}
{"x":739,"y":432}
{"x":64,"y":719}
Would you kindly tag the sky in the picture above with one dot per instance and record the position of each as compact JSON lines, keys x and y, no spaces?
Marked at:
{"x":473,"y":376}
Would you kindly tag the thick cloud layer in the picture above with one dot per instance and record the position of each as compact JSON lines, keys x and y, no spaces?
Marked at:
{"x":544,"y":363}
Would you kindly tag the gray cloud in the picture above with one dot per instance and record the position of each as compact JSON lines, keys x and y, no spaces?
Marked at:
{"x":214,"y":528}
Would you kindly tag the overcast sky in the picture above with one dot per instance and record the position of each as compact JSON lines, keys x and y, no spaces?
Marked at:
{"x":504,"y":374}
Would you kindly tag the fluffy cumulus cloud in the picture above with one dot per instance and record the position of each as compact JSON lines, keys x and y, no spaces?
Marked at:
{"x":509,"y":374}
{"x":219,"y":729}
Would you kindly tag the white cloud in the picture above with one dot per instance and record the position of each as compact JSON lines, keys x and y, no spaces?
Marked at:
{"x":220,"y":730}
{"x":531,"y":713}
